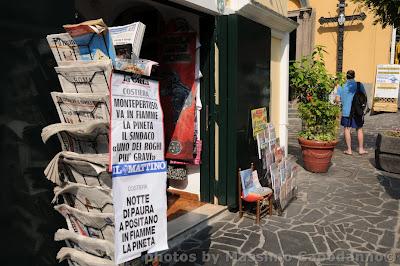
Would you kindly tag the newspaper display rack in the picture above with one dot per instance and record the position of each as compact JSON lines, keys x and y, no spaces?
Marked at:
{"x":83,"y":191}
{"x":280,"y":170}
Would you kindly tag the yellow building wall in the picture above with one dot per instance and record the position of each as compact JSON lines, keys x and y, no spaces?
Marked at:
{"x":365,"y":44}
{"x":275,"y":82}
{"x":280,"y":6}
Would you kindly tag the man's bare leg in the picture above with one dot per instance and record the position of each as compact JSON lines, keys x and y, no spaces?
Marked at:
{"x":347,"y":137}
{"x":360,"y":136}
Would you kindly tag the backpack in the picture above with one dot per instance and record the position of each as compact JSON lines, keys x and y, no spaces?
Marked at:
{"x":359,"y":103}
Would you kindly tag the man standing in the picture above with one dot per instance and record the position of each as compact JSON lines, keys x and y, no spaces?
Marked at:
{"x":345,"y":95}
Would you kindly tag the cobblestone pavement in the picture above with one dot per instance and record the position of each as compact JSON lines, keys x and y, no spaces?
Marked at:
{"x":348,"y":216}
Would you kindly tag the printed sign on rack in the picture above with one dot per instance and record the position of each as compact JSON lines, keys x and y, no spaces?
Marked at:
{"x":137,"y":120}
{"x":140,"y":209}
{"x":139,"y":171}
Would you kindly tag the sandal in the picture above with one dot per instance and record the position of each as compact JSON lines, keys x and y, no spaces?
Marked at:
{"x":348,"y":153}
{"x":362,"y":153}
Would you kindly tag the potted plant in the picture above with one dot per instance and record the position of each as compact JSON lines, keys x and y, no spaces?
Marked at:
{"x":313,"y":85}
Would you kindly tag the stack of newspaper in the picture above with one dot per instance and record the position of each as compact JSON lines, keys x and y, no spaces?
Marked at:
{"x":85,"y":56}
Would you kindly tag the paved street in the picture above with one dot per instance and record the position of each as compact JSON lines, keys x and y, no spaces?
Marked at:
{"x":348,"y":216}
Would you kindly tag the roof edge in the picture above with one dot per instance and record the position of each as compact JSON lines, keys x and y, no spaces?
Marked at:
{"x":267,"y":17}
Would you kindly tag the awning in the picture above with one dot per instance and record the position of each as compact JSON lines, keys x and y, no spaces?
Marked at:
{"x":248,"y":8}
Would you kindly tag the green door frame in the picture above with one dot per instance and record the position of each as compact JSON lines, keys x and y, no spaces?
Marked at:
{"x":225,"y":34}
{"x":221,"y":41}
{"x":207,"y":114}
{"x":227,"y":40}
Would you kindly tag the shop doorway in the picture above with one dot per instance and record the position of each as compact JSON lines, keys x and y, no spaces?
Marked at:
{"x":195,"y":187}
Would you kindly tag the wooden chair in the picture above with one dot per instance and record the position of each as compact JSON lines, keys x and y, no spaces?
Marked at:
{"x":260,"y":210}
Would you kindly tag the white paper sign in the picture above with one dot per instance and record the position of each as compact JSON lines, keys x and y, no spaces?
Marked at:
{"x":137,"y":120}
{"x":387,"y":81}
{"x":139,"y":171}
{"x":140,"y":208}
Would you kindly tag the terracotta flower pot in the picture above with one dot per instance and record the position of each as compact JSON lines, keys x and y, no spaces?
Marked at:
{"x":317,"y":155}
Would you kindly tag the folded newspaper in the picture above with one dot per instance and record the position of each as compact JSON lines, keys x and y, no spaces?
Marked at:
{"x":97,"y":247}
{"x":96,"y":225}
{"x":89,"y":169}
{"x":85,"y":137}
{"x":85,"y":198}
{"x":63,"y":47}
{"x":74,"y":108}
{"x":81,"y":258}
{"x":127,"y":40}
{"x":136,"y":66}
{"x":93,"y":39}
{"x":85,"y":76}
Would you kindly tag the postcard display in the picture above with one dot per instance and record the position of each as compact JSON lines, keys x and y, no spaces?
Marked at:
{"x":102,"y":229}
{"x":280,"y":170}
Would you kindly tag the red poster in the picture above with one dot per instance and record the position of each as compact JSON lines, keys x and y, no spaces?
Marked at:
{"x":179,"y":93}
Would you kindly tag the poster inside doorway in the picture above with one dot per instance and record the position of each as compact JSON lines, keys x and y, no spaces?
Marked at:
{"x":139,"y":172}
{"x":179,"y":91}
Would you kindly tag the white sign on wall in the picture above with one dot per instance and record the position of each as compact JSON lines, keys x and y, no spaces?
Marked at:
{"x":139,"y":172}
{"x":386,"y":88}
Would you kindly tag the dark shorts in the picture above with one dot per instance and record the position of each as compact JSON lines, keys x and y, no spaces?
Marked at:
{"x":356,"y":122}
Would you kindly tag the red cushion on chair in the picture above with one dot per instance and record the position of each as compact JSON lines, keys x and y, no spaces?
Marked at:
{"x":251,"y":197}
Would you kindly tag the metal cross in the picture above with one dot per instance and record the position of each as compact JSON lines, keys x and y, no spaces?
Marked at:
{"x":341,"y":19}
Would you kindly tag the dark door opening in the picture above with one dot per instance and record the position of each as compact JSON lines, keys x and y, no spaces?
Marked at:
{"x":292,"y":54}
{"x":156,"y":16}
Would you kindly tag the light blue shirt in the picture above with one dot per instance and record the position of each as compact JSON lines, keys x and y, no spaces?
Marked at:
{"x":346,"y":94}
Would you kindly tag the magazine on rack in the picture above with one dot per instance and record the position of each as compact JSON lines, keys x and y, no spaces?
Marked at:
{"x":127,"y":40}
{"x":74,"y":108}
{"x":91,"y":165}
{"x":271,"y":131}
{"x":95,"y":225}
{"x":93,"y":39}
{"x":85,"y":198}
{"x":85,"y":76}
{"x":86,"y":137}
{"x":267,"y":159}
{"x":262,"y":142}
{"x":97,"y":247}
{"x":276,"y":180}
{"x":63,"y":47}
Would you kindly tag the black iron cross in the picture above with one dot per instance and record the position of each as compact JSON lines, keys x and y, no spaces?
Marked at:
{"x":341,"y":19}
